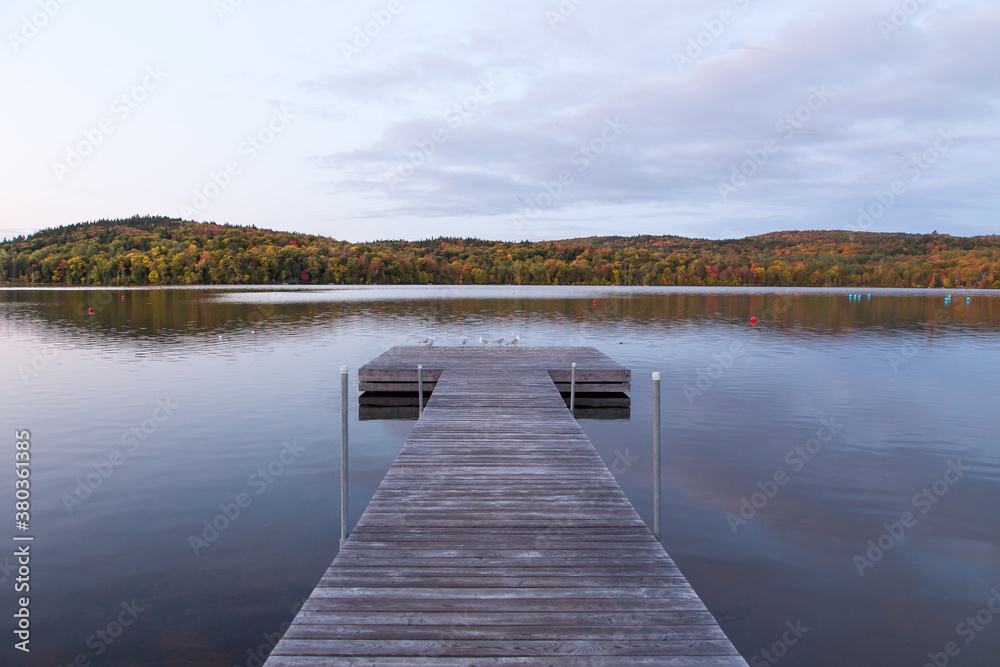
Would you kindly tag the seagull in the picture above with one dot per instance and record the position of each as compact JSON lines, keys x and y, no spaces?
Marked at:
{"x":499,"y":340}
{"x":483,"y":340}
{"x":464,"y":341}
{"x":430,"y":341}
{"x":517,"y":337}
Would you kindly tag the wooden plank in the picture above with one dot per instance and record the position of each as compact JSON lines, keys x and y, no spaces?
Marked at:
{"x":403,"y":387}
{"x":594,"y":387}
{"x":454,"y":593}
{"x":501,"y":632}
{"x":563,"y":386}
{"x":498,"y":536}
{"x":488,"y":648}
{"x":428,"y":660}
{"x":446,"y":603}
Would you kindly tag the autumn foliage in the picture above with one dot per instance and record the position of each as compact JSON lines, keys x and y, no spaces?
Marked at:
{"x":162,"y":251}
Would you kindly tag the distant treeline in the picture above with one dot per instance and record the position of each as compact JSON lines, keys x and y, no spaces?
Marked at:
{"x":162,"y":251}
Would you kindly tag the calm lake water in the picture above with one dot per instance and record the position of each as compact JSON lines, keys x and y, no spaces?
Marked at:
{"x":880,"y":417}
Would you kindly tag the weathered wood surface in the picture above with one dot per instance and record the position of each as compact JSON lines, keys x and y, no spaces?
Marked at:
{"x":396,"y":369}
{"x":499,"y":537}
{"x":407,"y":387}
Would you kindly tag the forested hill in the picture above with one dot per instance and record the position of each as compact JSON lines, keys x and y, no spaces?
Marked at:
{"x":163,"y":251}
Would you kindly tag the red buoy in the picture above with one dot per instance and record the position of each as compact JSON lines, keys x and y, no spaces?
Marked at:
{"x":90,"y":310}
{"x":753,"y":320}
{"x":595,"y":302}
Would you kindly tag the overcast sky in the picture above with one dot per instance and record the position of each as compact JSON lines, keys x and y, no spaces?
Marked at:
{"x":504,"y":120}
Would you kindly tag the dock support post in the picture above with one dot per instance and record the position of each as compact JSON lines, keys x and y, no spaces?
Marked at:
{"x":656,"y":457}
{"x":420,"y":389}
{"x":343,"y":454}
{"x":572,"y":389}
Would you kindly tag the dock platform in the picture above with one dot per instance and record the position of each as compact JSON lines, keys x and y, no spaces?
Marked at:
{"x":499,"y":537}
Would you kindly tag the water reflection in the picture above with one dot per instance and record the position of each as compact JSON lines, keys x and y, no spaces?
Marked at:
{"x":909,"y":380}
{"x":377,"y":405}
{"x":176,"y":313}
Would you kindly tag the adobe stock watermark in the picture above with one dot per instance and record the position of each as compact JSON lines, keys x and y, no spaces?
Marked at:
{"x":122,"y":107}
{"x":796,"y":459}
{"x":549,"y":539}
{"x":224,"y":8}
{"x":364,"y":35}
{"x":261,"y":315}
{"x":706,"y":378}
{"x":924,"y":501}
{"x":968,"y":630}
{"x":40,"y":360}
{"x":907,"y":351}
{"x":914,"y":169}
{"x":258,"y":482}
{"x":779,"y":649}
{"x":257,"y":657}
{"x":583,"y":158}
{"x":724,"y":361}
{"x":104,"y":637}
{"x":454,"y":118}
{"x":623,"y":461}
{"x":32,"y":26}
{"x":248,"y":150}
{"x":7,"y":569}
{"x":704,"y":39}
{"x":96,"y":302}
{"x":902,"y":14}
{"x":131,"y":440}
{"x":786,"y":126}
{"x":562,"y":13}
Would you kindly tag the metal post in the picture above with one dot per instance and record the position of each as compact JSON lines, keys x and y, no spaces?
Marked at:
{"x":572,"y":389}
{"x":656,"y":457}
{"x":420,"y":389}
{"x":343,"y":454}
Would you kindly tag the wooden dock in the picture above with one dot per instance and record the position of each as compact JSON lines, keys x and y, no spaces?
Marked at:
{"x":499,"y":537}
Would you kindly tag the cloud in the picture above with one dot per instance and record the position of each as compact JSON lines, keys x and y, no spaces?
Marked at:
{"x":404,"y":138}
{"x":687,"y":127}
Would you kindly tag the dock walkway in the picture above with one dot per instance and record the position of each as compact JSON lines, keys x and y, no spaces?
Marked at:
{"x":499,"y":537}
